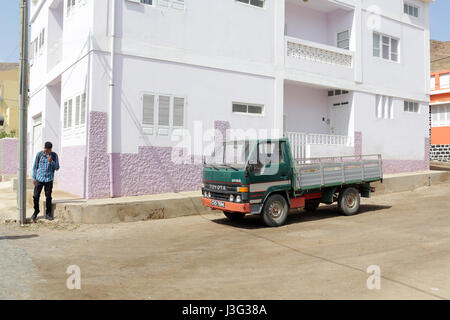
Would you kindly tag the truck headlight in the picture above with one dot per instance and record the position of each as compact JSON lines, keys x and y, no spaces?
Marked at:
{"x":231,"y":198}
{"x":238,"y":198}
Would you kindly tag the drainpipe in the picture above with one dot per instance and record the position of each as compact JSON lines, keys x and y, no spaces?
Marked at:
{"x":111,"y":97}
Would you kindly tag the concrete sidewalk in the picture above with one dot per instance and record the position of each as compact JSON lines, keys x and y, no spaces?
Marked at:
{"x":68,"y":208}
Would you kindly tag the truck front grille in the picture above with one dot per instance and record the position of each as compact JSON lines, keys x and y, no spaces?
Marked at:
{"x":220,"y":196}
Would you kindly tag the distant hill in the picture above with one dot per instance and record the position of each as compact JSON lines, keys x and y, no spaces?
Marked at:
{"x":440,"y":55}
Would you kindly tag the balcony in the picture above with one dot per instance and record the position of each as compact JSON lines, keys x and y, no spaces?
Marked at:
{"x":315,"y":145}
{"x":319,"y":39}
{"x":316,"y":52}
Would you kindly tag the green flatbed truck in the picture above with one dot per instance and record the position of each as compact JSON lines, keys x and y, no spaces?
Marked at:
{"x":262,"y":177}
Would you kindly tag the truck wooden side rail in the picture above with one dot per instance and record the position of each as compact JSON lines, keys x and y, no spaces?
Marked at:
{"x":328,"y":172}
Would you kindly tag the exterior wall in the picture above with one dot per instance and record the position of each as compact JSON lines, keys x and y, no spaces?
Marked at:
{"x":239,"y":57}
{"x":304,"y":108}
{"x":9,"y":96}
{"x":8,"y":156}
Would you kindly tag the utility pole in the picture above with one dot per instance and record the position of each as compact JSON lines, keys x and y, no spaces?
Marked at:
{"x":22,"y":167}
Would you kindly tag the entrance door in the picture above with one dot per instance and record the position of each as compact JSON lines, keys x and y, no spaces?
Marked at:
{"x":37,"y":137}
{"x":340,"y":118}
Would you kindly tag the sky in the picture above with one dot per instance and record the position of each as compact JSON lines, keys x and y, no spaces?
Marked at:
{"x":9,"y":26}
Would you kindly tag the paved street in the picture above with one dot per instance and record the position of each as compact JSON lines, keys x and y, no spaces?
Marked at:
{"x":315,"y":256}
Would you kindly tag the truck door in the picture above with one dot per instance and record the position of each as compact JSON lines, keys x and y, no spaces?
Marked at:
{"x":272,"y":171}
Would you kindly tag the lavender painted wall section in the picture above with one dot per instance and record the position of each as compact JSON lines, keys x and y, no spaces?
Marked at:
{"x":71,"y":176}
{"x":152,"y":171}
{"x":398,"y":166}
{"x":97,"y":158}
{"x":8,"y":156}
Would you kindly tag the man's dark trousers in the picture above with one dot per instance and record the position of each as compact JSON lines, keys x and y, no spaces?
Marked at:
{"x":48,"y":188}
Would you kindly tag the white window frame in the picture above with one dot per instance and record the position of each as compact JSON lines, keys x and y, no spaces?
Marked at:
{"x":433,"y":83}
{"x":348,"y":39}
{"x":440,"y":81}
{"x":384,"y":108}
{"x":248,"y":105}
{"x":408,"y":6}
{"x":380,"y":48}
{"x":411,"y":107}
{"x":440,"y":119}
{"x":155,"y":129}
{"x":251,"y":5}
{"x":74,"y":129}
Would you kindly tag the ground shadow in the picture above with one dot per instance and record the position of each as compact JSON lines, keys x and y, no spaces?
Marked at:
{"x":324,"y":212}
{"x":19,"y":237}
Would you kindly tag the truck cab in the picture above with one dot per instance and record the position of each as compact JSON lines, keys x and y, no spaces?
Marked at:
{"x":261,"y":177}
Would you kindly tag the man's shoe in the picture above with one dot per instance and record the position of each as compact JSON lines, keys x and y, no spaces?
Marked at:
{"x":34,"y":217}
{"x":50,"y":218}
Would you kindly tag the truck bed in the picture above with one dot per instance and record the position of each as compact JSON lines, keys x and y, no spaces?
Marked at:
{"x":326,"y":172}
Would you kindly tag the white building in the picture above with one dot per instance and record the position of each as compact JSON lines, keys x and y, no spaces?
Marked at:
{"x":345,"y":77}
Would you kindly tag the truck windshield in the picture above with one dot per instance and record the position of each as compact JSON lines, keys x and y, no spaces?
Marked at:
{"x":232,"y":154}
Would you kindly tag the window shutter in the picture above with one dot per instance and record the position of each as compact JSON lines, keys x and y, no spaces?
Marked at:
{"x":164,"y":111}
{"x":77,"y":110}
{"x":163,"y":115}
{"x":83,"y":109}
{"x":65,"y":114}
{"x":178,"y":112}
{"x":178,"y":4}
{"x":69,"y":114}
{"x":433,"y":83}
{"x":163,"y":3}
{"x":148,"y":106}
{"x":445,"y":81}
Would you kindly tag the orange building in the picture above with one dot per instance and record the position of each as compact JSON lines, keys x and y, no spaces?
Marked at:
{"x":440,"y":116}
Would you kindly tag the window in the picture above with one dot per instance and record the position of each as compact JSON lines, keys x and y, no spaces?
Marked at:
{"x":444,"y":80}
{"x":247,"y":108}
{"x":162,"y":113}
{"x":74,"y":115}
{"x":83,"y":109}
{"x":175,"y":4}
{"x":384,"y":107}
{"x":433,"y":83}
{"x":41,"y":39}
{"x":256,"y":3}
{"x":332,"y":93}
{"x":70,"y":4}
{"x":411,"y":10}
{"x":343,"y":40}
{"x":410,"y":106}
{"x":440,"y":115}
{"x":150,"y":2}
{"x":385,"y":47}
{"x":270,"y":153}
{"x":77,"y":110}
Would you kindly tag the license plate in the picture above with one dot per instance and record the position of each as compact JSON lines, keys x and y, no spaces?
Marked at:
{"x":216,"y":203}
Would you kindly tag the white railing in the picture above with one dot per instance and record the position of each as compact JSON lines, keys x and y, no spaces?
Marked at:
{"x":299,"y":141}
{"x":317,"y":52}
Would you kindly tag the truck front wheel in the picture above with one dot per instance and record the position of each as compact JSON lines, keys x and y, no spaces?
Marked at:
{"x":234,"y":216}
{"x":275,"y":211}
{"x":349,"y":201}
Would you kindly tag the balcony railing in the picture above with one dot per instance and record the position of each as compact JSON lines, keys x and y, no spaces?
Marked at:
{"x":317,"y":52}
{"x":300,"y":141}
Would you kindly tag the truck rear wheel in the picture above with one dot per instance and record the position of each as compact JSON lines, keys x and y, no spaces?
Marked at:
{"x":275,"y":211}
{"x":234,"y":216}
{"x":349,"y":201}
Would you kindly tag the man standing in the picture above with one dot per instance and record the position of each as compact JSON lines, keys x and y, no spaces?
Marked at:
{"x":44,"y":168}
